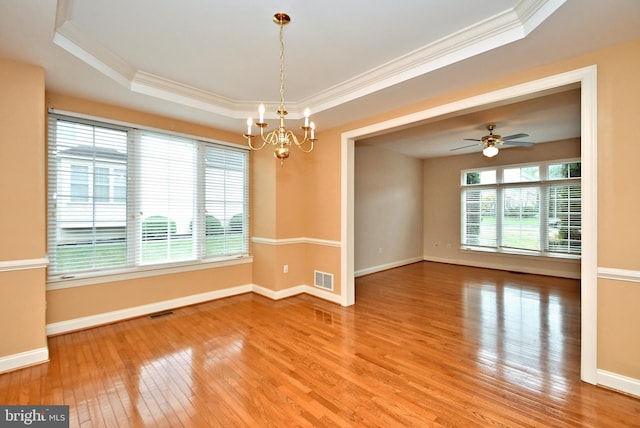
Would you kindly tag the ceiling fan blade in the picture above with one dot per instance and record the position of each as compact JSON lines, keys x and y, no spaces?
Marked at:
{"x":471,"y":139}
{"x":514,"y":136}
{"x":464,"y":147}
{"x":518,"y":143}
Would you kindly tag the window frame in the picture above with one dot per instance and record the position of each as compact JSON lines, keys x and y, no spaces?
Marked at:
{"x":543,"y":186}
{"x":199,"y":260}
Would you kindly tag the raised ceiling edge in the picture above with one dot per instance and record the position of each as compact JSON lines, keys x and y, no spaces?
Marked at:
{"x":503,"y":28}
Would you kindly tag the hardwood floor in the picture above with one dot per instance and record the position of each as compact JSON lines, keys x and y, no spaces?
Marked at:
{"x":425,"y":345}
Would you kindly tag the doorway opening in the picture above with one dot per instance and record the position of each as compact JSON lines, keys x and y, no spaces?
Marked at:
{"x":586,"y":79}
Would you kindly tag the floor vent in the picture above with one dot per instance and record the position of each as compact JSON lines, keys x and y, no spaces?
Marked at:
{"x":323,"y":280}
{"x":161,"y":314}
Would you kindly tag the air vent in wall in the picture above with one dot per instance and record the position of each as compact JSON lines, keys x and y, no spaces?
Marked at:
{"x":323,"y":280}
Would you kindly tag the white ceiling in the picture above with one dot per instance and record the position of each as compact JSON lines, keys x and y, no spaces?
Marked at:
{"x":213,"y":62}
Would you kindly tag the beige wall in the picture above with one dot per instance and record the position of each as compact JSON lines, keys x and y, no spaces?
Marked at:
{"x":90,"y":300}
{"x":388,"y":210}
{"x":22,"y":216}
{"x":22,"y":176}
{"x":442,"y":210}
{"x":284,"y":215}
{"x":618,"y":321}
{"x":618,"y":154}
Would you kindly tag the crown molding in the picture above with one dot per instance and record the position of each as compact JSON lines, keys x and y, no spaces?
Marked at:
{"x":501,"y":29}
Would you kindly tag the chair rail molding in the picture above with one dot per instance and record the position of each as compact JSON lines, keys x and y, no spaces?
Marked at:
{"x":11,"y":265}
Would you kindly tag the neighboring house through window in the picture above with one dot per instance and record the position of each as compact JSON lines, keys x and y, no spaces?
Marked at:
{"x":121,"y":197}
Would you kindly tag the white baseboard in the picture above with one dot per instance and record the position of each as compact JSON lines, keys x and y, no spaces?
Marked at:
{"x":110,"y":317}
{"x":618,"y":382}
{"x":277,"y":295}
{"x":323,"y":294}
{"x":294,"y":291}
{"x":120,"y":315}
{"x":380,"y":268}
{"x":505,"y":267}
{"x":24,"y":359}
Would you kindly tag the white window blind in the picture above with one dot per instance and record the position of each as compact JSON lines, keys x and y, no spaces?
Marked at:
{"x":165,"y":197}
{"x":225,"y":201}
{"x":530,"y":209}
{"x":479,"y":211}
{"x":121,"y":198}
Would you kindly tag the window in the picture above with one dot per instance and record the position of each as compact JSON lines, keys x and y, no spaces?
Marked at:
{"x":530,"y":209}
{"x":120,"y":198}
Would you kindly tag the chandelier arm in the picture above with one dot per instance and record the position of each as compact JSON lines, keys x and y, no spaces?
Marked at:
{"x":271,"y":138}
{"x":305,"y":141}
{"x":249,"y":139}
{"x":300,"y":144}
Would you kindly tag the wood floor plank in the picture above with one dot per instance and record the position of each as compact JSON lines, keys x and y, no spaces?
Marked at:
{"x":425,"y":345}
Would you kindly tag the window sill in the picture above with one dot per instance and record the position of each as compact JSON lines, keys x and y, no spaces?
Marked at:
{"x":93,"y":278}
{"x":502,"y":252}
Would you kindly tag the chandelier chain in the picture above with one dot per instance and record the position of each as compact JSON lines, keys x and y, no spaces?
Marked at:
{"x":282,"y":68}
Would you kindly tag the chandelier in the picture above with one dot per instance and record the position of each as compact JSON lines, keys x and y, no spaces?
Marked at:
{"x":281,"y":138}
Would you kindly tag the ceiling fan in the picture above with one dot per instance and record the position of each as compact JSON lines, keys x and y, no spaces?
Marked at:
{"x":491,"y":142}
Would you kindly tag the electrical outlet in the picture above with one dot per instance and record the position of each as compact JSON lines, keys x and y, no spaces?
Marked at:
{"x":285,"y":269}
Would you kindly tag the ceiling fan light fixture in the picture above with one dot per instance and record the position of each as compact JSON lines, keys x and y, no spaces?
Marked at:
{"x":490,"y":150}
{"x":490,"y":143}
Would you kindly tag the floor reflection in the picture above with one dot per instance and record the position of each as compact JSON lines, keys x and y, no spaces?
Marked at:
{"x":521,"y":334}
{"x":159,"y":376}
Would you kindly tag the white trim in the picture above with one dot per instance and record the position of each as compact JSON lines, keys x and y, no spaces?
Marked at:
{"x":503,"y":28}
{"x":587,"y":78}
{"x":508,"y":267}
{"x":24,"y":359}
{"x":142,"y":272}
{"x":123,"y":314}
{"x":11,"y":265}
{"x":294,"y":291}
{"x":589,"y":270}
{"x":347,"y":219}
{"x":292,"y":241}
{"x":281,"y":294}
{"x":619,"y":274}
{"x":625,"y":384}
{"x":386,"y":266}
{"x":322,"y":294}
